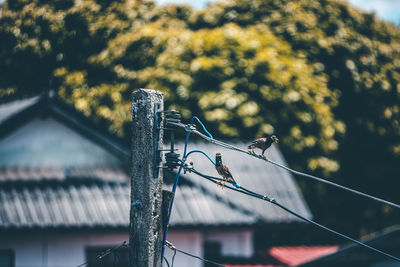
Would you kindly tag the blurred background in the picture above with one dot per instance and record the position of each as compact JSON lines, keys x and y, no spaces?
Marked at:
{"x":324,"y":76}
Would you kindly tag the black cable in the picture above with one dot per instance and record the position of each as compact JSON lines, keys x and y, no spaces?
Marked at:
{"x":243,"y":190}
{"x":200,"y":258}
{"x":168,"y":262}
{"x":173,"y":258}
{"x":115,"y":259}
{"x":106,"y":253}
{"x":172,"y":247}
{"x":231,"y":147}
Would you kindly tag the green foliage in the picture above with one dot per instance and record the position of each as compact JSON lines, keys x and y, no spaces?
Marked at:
{"x":361,"y":57}
{"x":245,"y":82}
{"x":50,"y":43}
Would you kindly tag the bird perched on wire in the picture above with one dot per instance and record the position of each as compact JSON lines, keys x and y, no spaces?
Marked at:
{"x":223,"y":170}
{"x":263,"y":144}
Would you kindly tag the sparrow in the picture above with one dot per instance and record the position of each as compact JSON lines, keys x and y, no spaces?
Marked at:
{"x":223,"y":170}
{"x":263,"y":144}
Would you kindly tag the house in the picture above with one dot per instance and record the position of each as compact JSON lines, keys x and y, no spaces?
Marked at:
{"x":355,"y":256}
{"x":65,"y":194}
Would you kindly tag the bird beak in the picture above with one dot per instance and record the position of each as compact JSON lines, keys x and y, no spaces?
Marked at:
{"x":275,"y":139}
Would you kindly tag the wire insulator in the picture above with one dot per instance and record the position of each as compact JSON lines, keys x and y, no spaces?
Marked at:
{"x":172,"y":118}
{"x":172,"y":160}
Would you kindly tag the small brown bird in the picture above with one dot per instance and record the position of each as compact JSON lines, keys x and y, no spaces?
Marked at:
{"x":223,"y":170}
{"x":263,"y":144}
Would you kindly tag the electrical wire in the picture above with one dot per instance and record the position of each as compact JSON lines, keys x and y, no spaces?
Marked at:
{"x":178,"y":175}
{"x":172,"y":200}
{"x":172,"y":247}
{"x":238,"y":188}
{"x":106,"y":253}
{"x":168,"y":262}
{"x":273,"y":201}
{"x":202,"y":125}
{"x":173,"y":258}
{"x":116,"y":259}
{"x":202,"y":152}
{"x":231,"y":147}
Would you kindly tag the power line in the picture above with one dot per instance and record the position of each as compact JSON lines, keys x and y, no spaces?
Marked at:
{"x":231,"y":147}
{"x":173,"y":258}
{"x":184,"y":156}
{"x":190,"y":128}
{"x":199,"y":151}
{"x":172,"y":247}
{"x":106,"y":252}
{"x":248,"y":192}
{"x":166,"y":261}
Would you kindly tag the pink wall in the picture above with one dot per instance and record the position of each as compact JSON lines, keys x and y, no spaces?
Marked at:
{"x":47,"y":249}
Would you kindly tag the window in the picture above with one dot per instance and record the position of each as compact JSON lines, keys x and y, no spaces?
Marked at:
{"x":118,"y":258}
{"x":7,"y":258}
{"x":212,"y":251}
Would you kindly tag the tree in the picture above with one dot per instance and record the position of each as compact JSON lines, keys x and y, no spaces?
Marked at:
{"x":360,"y":56}
{"x":242,"y":88}
{"x":48,"y":44}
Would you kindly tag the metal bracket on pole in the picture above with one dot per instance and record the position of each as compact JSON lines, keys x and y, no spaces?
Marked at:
{"x":172,"y":159}
{"x":157,"y":155}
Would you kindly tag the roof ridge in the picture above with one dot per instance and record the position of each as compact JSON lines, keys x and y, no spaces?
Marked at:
{"x":64,"y":175}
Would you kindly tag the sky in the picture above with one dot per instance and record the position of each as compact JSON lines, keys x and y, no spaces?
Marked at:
{"x":388,"y":10}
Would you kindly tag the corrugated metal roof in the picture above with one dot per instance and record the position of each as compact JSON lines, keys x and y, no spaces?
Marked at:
{"x":103,"y":199}
{"x":21,"y":174}
{"x":64,"y":205}
{"x":103,"y":204}
{"x":195,"y":205}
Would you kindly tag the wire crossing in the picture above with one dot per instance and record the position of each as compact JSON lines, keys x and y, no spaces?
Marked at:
{"x":231,"y":147}
{"x":248,"y":192}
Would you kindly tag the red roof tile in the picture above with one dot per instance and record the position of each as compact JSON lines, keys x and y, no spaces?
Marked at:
{"x":258,"y":265}
{"x":294,"y":256}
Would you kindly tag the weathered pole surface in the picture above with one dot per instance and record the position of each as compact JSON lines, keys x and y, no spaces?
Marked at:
{"x":145,"y":234}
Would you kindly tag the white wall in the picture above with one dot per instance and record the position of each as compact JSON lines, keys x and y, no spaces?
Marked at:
{"x":55,"y":249}
{"x":191,"y":242}
{"x":234,"y":243}
{"x":68,"y":249}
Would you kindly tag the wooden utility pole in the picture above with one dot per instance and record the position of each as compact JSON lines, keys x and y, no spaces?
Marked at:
{"x":145,"y":235}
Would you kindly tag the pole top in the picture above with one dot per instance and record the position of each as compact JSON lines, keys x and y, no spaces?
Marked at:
{"x":147,"y":92}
